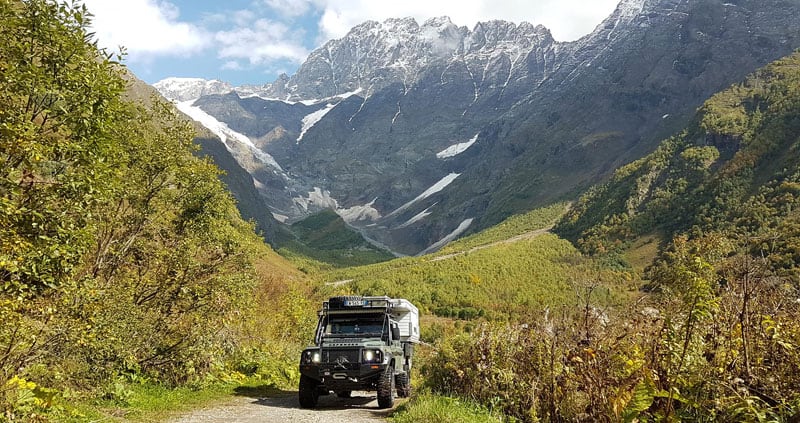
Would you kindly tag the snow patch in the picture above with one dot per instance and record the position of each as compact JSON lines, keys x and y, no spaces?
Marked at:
{"x":456,"y":149}
{"x":311,"y":119}
{"x":449,"y":237}
{"x":360,"y":213}
{"x":280,"y":218}
{"x":263,"y":97}
{"x":224,"y":132}
{"x":423,"y":214}
{"x":344,"y":96}
{"x":396,"y":115}
{"x":347,"y":95}
{"x":442,"y":184}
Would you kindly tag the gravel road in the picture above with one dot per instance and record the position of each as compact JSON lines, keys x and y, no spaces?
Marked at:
{"x":361,"y":408}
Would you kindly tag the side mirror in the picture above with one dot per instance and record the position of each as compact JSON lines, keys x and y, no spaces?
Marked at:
{"x":395,"y":332}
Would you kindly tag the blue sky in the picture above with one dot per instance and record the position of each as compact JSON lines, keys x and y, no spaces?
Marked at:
{"x":253,"y":41}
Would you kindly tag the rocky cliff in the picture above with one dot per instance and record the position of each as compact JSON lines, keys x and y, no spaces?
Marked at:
{"x":416,"y":134}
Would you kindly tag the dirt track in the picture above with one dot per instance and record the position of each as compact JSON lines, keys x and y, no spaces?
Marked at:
{"x":521,"y":237}
{"x":283,"y":408}
{"x":526,"y":235}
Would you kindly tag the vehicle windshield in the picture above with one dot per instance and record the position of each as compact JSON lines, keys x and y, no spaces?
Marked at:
{"x":361,"y":325}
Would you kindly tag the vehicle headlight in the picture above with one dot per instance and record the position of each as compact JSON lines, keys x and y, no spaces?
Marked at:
{"x":371,"y":356}
{"x":310,"y":356}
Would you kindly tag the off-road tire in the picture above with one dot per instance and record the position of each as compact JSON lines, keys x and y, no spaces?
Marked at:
{"x":386,"y":388}
{"x":403,"y":382}
{"x":344,"y":394}
{"x":309,"y":392}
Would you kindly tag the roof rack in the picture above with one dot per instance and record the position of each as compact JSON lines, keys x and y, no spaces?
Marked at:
{"x":357,"y":302}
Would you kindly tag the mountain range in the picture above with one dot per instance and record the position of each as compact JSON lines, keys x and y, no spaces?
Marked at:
{"x":417,"y":134}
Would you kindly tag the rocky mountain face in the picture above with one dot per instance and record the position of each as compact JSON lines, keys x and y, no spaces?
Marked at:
{"x":416,"y":134}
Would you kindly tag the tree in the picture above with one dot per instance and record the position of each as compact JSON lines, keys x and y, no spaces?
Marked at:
{"x":120,"y":251}
{"x":58,"y":94}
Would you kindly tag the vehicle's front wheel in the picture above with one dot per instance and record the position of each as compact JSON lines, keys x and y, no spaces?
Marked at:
{"x":386,"y":388}
{"x":309,"y":394}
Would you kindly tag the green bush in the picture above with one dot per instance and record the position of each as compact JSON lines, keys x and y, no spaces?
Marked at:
{"x":718,"y":342}
{"x":428,"y":408}
{"x":122,"y":256}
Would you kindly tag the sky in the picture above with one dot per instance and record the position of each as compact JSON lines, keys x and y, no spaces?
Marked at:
{"x":254,"y":41}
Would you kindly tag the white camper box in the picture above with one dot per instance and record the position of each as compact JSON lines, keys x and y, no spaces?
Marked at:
{"x":407,"y":316}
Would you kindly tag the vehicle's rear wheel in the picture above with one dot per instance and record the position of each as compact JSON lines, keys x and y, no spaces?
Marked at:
{"x":403,"y":382}
{"x":386,"y":388}
{"x":309,"y":393}
{"x":344,"y":394}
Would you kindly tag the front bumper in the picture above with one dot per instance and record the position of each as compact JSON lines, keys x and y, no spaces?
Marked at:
{"x":335,"y":378}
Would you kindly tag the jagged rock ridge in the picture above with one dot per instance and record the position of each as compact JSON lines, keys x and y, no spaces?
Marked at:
{"x":419,"y":133}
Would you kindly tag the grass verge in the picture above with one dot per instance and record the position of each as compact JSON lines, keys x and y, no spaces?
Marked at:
{"x":147,"y":402}
{"x":430,"y":408}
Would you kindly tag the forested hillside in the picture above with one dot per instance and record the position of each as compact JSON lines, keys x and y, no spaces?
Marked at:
{"x":122,"y":256}
{"x":733,"y":173}
{"x":502,"y":273}
{"x":706,"y":226}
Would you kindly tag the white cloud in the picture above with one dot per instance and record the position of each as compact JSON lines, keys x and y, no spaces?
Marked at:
{"x":231,"y":65}
{"x":243,"y":17}
{"x":146,"y":28}
{"x":567,"y":19}
{"x":261,"y":42}
{"x":289,"y":8}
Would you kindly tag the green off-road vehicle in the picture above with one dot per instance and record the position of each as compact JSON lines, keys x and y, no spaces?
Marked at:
{"x":361,"y":344}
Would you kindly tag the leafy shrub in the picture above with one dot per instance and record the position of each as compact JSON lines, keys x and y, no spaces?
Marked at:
{"x":428,"y":408}
{"x":717,"y":343}
{"x":122,"y":256}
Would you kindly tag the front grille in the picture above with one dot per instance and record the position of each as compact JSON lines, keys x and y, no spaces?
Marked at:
{"x":342,"y":359}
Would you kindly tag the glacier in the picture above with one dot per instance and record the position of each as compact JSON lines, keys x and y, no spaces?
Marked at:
{"x":224,"y":132}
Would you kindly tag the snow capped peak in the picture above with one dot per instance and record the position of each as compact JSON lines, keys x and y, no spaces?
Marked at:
{"x":439,"y":22}
{"x":375,"y":54}
{"x":399,"y":25}
{"x":184,"y":89}
{"x":178,"y":81}
{"x":631,"y":14}
{"x":629,"y":9}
